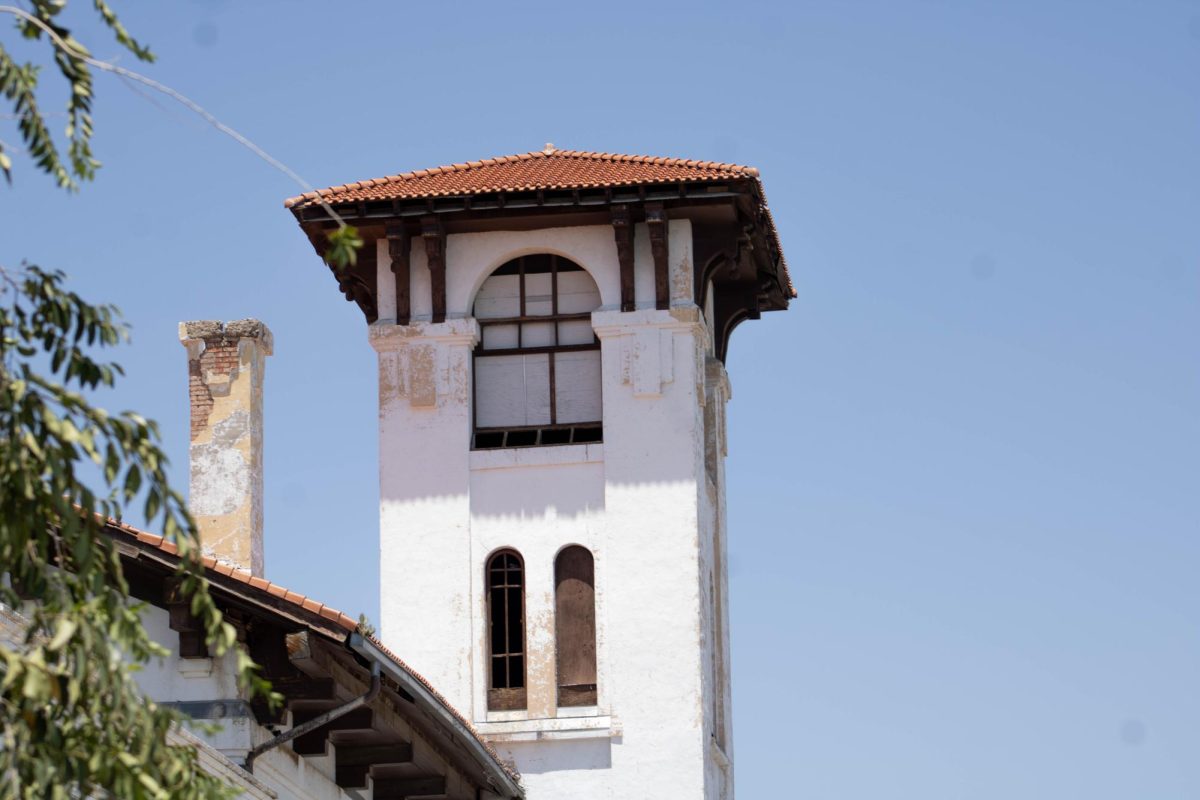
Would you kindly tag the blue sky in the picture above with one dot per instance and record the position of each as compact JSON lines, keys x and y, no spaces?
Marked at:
{"x":964,"y":467}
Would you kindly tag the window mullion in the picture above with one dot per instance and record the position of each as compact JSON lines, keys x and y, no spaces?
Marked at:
{"x":521,"y":293}
{"x":509,"y":420}
{"x":553,"y":389}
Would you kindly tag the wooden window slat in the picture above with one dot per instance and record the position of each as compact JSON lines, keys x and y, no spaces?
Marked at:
{"x":575,"y":626}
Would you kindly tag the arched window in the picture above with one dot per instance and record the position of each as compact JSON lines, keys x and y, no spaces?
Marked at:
{"x":575,"y":626}
{"x":506,"y":631}
{"x":537,"y":366}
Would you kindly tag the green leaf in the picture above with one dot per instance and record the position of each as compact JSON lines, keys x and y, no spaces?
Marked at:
{"x":133,"y":481}
{"x":344,"y":244}
{"x":66,"y":629}
{"x":72,"y":720}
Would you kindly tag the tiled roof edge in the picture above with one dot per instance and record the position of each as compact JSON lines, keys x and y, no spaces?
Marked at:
{"x":308,"y":604}
{"x":787,"y":274}
{"x":344,"y":621}
{"x":418,"y":677}
{"x":733,"y":169}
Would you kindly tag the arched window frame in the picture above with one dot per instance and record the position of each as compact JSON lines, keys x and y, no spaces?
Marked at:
{"x":507,"y":663}
{"x":575,"y":626}
{"x":556,"y":431}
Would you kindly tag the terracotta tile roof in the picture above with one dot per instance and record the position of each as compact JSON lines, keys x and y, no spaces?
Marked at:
{"x":310,"y":605}
{"x":546,"y":169}
{"x":465,"y":722}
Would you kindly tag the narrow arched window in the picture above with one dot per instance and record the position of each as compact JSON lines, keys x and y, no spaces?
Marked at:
{"x":537,"y":365}
{"x":575,"y":626}
{"x":506,"y":631}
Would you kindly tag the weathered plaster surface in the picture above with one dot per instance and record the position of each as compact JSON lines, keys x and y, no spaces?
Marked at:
{"x":225,"y":367}
{"x":214,"y":682}
{"x":645,"y":503}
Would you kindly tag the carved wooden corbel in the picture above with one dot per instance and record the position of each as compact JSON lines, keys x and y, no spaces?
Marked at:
{"x":623,"y":231}
{"x":743,"y":263}
{"x":435,"y":253}
{"x":656,"y":222}
{"x":399,"y":245}
{"x":355,"y":289}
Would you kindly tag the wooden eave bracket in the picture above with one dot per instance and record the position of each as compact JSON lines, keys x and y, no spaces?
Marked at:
{"x":759,"y":254}
{"x":656,"y":223}
{"x":622,"y":223}
{"x":399,"y":247}
{"x":434,"y":235}
{"x":192,"y":642}
{"x":352,"y":286}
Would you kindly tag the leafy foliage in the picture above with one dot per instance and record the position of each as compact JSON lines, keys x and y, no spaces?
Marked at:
{"x":344,"y":244}
{"x":73,"y":721}
{"x":18,"y":84}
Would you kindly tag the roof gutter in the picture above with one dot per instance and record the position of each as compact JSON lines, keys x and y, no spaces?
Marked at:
{"x":500,"y":780}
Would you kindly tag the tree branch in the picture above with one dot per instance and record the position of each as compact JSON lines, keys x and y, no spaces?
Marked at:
{"x":68,"y":49}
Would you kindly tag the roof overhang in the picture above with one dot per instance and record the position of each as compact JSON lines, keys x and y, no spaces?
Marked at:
{"x":269,"y":619}
{"x":742,"y":257}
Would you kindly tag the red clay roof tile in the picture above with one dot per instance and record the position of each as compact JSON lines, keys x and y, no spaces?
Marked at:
{"x":312,"y":605}
{"x":512,"y":773}
{"x":342,"y":620}
{"x":242,"y":576}
{"x":149,"y":538}
{"x":547,"y":169}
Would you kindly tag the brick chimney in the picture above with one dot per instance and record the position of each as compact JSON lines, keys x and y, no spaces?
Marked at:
{"x":225,"y":380}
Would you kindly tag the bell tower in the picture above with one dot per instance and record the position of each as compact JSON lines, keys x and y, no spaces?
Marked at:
{"x":551,"y":330}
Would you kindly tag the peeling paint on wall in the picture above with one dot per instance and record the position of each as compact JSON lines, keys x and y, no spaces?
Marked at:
{"x":641,"y":502}
{"x":226,"y":362}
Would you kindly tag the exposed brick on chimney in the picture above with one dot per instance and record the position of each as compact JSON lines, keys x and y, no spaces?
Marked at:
{"x":225,"y":374}
{"x":220,"y":357}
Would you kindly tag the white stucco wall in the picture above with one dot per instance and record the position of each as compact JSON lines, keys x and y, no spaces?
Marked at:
{"x":214,"y":681}
{"x":641,"y":502}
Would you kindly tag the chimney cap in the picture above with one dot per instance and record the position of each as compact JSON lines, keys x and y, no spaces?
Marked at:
{"x":209,"y":329}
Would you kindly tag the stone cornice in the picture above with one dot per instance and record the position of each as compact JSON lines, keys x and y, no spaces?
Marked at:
{"x":386,"y":336}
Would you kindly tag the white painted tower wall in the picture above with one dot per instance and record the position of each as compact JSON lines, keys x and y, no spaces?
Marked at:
{"x":648,"y":503}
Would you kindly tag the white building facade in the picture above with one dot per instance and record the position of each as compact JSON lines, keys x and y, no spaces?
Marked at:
{"x":354,"y":721}
{"x":551,"y":406}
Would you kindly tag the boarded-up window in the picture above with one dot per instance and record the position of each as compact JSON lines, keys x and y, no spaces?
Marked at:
{"x":506,"y":631}
{"x":537,"y":366}
{"x":575,"y":626}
